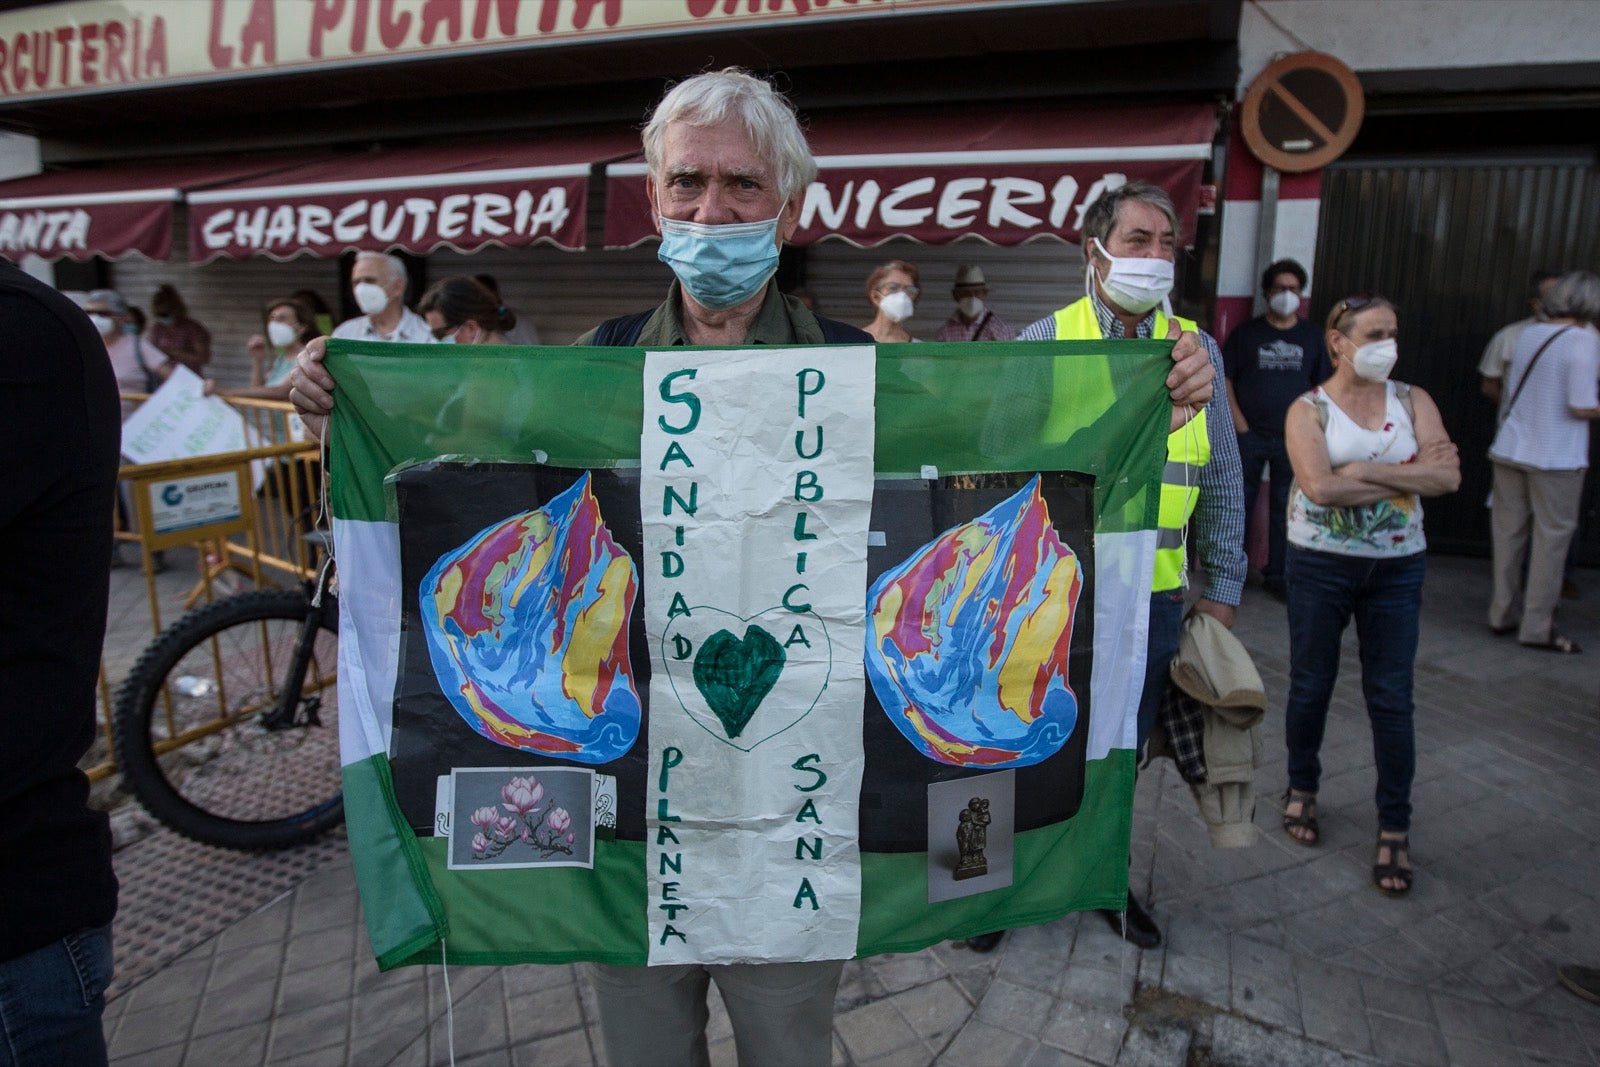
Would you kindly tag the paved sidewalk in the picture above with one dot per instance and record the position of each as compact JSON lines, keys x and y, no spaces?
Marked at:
{"x":1277,"y":954}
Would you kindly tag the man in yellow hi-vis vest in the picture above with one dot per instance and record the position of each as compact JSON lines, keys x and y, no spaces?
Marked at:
{"x":1130,"y":240}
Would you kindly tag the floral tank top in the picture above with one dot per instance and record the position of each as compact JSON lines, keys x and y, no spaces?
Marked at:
{"x":1391,"y":527}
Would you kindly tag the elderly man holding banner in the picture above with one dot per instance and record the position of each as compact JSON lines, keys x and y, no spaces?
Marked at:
{"x":728,"y":167}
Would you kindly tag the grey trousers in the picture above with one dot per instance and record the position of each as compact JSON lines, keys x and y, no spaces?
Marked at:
{"x":1535,"y":514}
{"x":782,"y":1013}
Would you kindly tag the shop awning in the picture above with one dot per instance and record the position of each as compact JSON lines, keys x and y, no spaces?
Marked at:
{"x":1003,"y":175}
{"x":507,"y":192}
{"x":113,"y":211}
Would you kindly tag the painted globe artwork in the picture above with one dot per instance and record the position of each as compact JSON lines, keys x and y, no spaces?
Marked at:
{"x":527,"y":626}
{"x":967,"y":640}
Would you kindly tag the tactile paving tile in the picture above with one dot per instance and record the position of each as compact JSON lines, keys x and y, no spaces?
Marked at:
{"x":177,"y":894}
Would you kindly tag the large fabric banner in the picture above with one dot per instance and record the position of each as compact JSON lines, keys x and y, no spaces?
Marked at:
{"x":713,"y":655}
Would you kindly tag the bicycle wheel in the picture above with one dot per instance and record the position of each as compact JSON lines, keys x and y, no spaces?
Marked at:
{"x":203,"y":742}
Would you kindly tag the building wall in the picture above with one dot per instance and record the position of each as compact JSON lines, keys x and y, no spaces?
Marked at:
{"x":1383,"y":35}
{"x":1537,"y":37}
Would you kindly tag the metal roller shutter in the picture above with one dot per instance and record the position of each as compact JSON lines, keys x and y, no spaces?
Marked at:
{"x":1026,"y":282}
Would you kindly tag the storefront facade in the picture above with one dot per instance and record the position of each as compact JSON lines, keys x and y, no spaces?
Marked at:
{"x":242,"y":149}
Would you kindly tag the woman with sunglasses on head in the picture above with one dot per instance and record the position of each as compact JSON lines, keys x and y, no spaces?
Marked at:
{"x":1540,"y":456}
{"x":462,"y":311}
{"x":894,"y":289}
{"x":1364,"y":449}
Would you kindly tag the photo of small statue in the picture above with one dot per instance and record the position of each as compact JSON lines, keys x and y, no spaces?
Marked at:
{"x":972,"y":837}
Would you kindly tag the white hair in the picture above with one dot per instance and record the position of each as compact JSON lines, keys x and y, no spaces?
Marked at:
{"x":1576,"y":295}
{"x":765,"y":114}
{"x":396,"y":265}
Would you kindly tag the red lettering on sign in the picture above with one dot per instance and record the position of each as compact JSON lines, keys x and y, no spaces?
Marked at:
{"x":358,"y":27}
{"x":585,"y":8}
{"x":435,"y":12}
{"x":64,"y":36}
{"x":88,"y":52}
{"x":260,"y":31}
{"x":116,"y":38}
{"x":505,"y":9}
{"x":221,"y":55}
{"x":18,"y":50}
{"x":155,"y":59}
{"x":700,"y":9}
{"x":325,"y":15}
{"x":392,"y":29}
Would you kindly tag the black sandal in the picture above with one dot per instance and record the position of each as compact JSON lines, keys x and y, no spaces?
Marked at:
{"x":1392,"y":871}
{"x":1306,"y":820}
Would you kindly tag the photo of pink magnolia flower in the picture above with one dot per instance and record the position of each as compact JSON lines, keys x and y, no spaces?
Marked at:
{"x":528,"y":820}
{"x":521,"y":795}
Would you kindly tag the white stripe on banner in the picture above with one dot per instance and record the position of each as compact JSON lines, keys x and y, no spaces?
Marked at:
{"x":368,"y":555}
{"x":756,"y":492}
{"x":1123,"y":565}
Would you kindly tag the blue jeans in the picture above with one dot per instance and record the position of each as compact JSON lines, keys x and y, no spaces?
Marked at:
{"x":1166,"y":626}
{"x":51,"y":1001}
{"x":1385,"y":597}
{"x":1254,"y":450}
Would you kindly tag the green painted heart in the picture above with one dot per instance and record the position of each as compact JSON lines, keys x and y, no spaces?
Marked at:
{"x":735,"y":676}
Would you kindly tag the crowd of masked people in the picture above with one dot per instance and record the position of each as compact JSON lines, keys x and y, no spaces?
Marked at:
{"x":1348,"y":448}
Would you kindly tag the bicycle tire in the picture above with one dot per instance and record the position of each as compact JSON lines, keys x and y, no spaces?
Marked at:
{"x":190,"y":742}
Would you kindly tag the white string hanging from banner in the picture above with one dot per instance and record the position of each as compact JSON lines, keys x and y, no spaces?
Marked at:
{"x":449,"y":1008}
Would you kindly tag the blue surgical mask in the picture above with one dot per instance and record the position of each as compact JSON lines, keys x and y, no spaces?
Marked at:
{"x":720,"y":266}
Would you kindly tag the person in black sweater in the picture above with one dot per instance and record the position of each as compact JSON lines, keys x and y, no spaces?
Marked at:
{"x":1269,"y":361}
{"x":60,"y":430}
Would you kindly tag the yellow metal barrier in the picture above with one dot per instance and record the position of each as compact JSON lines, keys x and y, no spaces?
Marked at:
{"x":247,"y":512}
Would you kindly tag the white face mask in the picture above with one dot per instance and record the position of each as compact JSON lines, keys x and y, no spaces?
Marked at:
{"x":1374,"y":362}
{"x":371,"y":298}
{"x":971,"y":307}
{"x":896,"y":307}
{"x":1284,"y":303}
{"x":104,"y":323}
{"x":1135,"y":284}
{"x":282,"y":334}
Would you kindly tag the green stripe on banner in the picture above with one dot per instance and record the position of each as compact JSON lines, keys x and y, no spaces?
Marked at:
{"x":1052,"y":877}
{"x":593,"y":915}
{"x":402,"y":911}
{"x":399,"y":404}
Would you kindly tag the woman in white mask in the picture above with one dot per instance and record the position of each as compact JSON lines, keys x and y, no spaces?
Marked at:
{"x":1364,"y":450}
{"x":894,"y":290}
{"x":287,"y":325}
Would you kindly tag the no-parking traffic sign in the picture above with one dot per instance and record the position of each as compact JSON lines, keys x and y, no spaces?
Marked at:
{"x":1302,"y":112}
